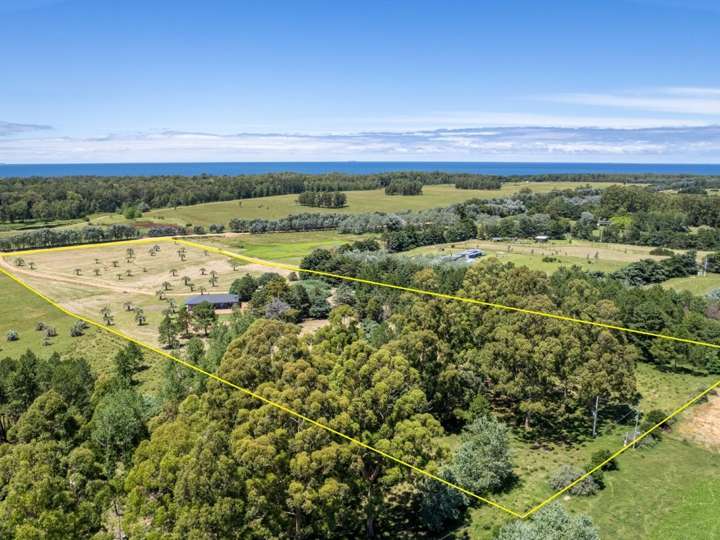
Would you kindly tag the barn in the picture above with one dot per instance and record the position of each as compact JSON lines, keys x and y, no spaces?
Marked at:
{"x":218,"y":301}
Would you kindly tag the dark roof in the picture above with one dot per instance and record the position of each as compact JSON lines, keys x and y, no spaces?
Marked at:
{"x":213,"y":299}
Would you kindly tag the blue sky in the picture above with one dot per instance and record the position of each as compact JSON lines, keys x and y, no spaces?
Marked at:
{"x":97,"y":80}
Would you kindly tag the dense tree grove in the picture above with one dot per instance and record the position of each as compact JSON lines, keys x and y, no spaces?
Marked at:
{"x":404,"y":187}
{"x":323,"y":199}
{"x":649,"y":271}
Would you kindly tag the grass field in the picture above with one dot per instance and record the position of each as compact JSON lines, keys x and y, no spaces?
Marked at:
{"x":667,"y":492}
{"x":279,"y":206}
{"x":699,"y":285}
{"x":588,"y":255}
{"x":288,"y":247}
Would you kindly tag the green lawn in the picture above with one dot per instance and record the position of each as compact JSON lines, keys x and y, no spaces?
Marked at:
{"x":283,"y":247}
{"x":20,"y":311}
{"x":699,"y":285}
{"x":279,"y":206}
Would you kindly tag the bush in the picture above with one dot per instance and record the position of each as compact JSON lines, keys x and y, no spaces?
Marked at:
{"x":39,"y":326}
{"x":566,"y":475}
{"x":549,"y":259}
{"x":50,"y":331}
{"x":601,"y":455}
{"x":662,"y":251}
{"x":12,"y":335}
{"x":78,"y":329}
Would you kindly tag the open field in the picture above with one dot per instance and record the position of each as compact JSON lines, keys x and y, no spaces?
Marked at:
{"x":84,"y":281}
{"x":280,"y":206}
{"x":287,"y":247}
{"x":588,"y":255}
{"x":699,"y":285}
{"x":96,"y":346}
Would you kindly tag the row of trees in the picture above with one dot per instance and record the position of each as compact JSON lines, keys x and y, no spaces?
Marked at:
{"x":480,"y":182}
{"x":323,"y":199}
{"x":42,"y":238}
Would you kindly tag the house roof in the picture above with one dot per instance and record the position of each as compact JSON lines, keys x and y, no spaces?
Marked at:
{"x":213,"y":299}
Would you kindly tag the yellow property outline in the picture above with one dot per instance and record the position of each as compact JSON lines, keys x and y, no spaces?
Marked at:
{"x":292,"y":412}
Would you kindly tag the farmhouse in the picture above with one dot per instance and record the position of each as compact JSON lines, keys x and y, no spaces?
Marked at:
{"x":218,"y":301}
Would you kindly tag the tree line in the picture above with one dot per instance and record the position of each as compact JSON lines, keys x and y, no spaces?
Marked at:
{"x":75,"y":197}
{"x":42,"y":238}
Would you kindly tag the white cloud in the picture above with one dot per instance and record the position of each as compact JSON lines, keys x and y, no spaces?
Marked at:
{"x":11,"y":128}
{"x":679,"y":100}
{"x":500,"y":143}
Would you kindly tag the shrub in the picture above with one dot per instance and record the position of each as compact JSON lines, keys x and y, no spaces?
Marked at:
{"x":78,"y":329}
{"x":566,"y":475}
{"x":39,"y":326}
{"x":12,"y":335}
{"x":662,"y":251}
{"x":50,"y":331}
{"x":601,"y":455}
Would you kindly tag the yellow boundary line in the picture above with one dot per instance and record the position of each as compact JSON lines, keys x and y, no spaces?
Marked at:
{"x":292,"y":412}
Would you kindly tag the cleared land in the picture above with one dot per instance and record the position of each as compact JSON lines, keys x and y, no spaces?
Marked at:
{"x":287,"y":247}
{"x":85,"y":281}
{"x":699,"y":285}
{"x":280,"y":206}
{"x":551,"y":255}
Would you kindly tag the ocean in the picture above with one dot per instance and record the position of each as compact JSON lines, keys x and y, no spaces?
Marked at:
{"x":351,"y":167}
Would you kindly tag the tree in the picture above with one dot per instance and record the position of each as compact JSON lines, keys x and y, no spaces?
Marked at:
{"x":168,"y":332}
{"x":551,"y":523}
{"x":139,"y":316}
{"x":128,"y":361}
{"x":118,"y":426}
{"x":48,"y":418}
{"x":107,"y":316}
{"x":204,"y":316}
{"x":244,"y":287}
{"x":482,"y":461}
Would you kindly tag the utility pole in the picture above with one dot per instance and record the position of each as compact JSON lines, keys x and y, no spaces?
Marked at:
{"x":595,"y":415}
{"x":637,"y":421}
